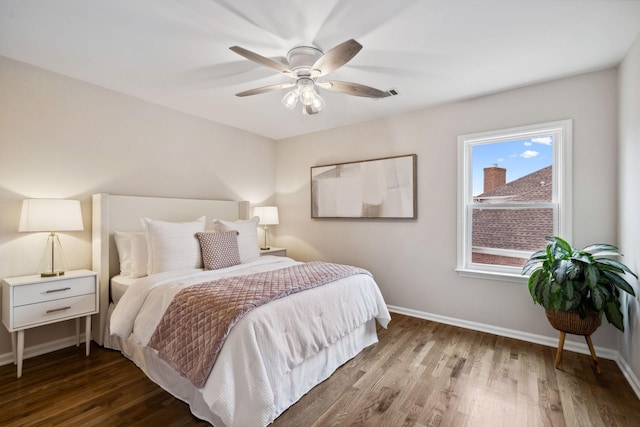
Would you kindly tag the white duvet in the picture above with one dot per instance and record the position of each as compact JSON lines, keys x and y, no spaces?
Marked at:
{"x":272,"y":356}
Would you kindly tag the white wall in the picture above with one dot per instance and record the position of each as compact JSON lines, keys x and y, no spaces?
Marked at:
{"x":63,"y":138}
{"x":414,"y":261}
{"x":60,"y":137}
{"x":629,"y":194}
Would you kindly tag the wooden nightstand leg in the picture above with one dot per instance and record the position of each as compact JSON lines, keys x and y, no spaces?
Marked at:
{"x":87,"y":333}
{"x":593,"y":353}
{"x":20,"y":351}
{"x":77,"y":332}
{"x":560,"y":347}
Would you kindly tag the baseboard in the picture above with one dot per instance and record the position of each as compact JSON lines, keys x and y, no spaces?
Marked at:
{"x":632,"y":379}
{"x":603,"y":353}
{"x":37,"y":350}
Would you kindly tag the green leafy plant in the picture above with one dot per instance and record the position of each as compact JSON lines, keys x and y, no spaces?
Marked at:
{"x":564,"y":278}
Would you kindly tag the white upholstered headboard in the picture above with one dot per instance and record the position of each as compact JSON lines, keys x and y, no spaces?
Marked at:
{"x":122,"y":213}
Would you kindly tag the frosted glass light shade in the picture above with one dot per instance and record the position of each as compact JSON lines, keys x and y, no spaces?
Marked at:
{"x":50,"y":215}
{"x":315,"y":107}
{"x":290,"y":99}
{"x":268,"y":215}
{"x":307,"y":93}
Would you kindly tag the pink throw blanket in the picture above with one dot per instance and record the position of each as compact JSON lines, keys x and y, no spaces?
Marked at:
{"x":195,"y":325}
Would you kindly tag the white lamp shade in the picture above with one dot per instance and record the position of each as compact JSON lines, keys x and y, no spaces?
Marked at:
{"x":50,"y":215}
{"x":268,"y":214}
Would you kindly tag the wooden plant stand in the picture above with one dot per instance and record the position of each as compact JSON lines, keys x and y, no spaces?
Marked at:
{"x":570,"y":322}
{"x":591,"y":349}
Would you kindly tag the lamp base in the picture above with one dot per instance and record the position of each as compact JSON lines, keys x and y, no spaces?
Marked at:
{"x":52,"y":274}
{"x":53,"y":262}
{"x":265,"y":248}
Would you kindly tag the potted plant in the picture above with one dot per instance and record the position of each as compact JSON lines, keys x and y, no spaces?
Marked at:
{"x":586,"y":282}
{"x":576,"y":286}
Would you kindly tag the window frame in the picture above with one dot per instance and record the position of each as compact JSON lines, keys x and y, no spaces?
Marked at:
{"x":561,"y":193}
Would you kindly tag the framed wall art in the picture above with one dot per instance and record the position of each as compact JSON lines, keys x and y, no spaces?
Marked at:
{"x":376,"y":188}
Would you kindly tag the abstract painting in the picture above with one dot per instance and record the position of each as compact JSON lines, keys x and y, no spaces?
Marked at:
{"x":377,"y":188}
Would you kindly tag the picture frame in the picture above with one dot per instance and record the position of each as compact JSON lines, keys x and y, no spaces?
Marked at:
{"x":383,"y":188}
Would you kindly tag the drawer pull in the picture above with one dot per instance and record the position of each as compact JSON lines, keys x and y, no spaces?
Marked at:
{"x":55,"y":310}
{"x":50,"y":291}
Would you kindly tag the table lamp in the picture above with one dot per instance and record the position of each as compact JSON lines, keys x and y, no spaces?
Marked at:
{"x":51,"y":215}
{"x":268,"y":216}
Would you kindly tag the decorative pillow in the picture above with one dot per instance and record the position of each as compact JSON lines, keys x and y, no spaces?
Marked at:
{"x":132,"y":252}
{"x":247,"y":236}
{"x":173,"y":245}
{"x":219,"y":250}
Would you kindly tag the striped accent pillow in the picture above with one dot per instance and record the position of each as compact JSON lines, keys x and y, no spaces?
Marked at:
{"x":219,"y":250}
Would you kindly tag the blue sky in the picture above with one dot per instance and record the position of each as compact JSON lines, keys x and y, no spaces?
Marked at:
{"x":519,"y":157}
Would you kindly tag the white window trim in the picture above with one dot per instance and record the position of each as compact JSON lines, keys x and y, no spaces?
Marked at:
{"x":562,"y":191}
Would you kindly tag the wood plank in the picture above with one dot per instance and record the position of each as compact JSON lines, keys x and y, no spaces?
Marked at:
{"x":420,"y":374}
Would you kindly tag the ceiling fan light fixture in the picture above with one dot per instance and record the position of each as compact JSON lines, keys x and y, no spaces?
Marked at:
{"x":306,"y":91}
{"x":315,"y":107}
{"x":305,"y":64}
{"x":318,"y":103}
{"x":290,"y":99}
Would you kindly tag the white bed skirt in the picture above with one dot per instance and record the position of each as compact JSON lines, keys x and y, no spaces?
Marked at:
{"x":300,"y":380}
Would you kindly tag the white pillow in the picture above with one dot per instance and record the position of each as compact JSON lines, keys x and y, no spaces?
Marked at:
{"x":123,"y":244}
{"x":139,"y":255}
{"x":247,"y":236}
{"x":132,"y":252}
{"x":173,"y":245}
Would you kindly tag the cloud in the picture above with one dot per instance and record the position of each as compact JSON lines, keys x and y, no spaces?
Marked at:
{"x":529,"y":154}
{"x":546,"y":140}
{"x":500,"y":160}
{"x":528,"y":144}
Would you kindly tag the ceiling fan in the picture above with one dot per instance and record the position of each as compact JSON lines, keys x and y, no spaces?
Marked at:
{"x":306,"y":65}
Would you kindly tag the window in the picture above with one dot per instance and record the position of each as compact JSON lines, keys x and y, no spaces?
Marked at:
{"x":514,"y":190}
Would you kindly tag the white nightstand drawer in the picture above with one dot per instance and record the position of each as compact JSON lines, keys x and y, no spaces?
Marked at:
{"x":53,"y":290}
{"x":46,"y":312}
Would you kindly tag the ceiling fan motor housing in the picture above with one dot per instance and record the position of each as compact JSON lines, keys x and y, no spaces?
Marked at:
{"x":302,"y":58}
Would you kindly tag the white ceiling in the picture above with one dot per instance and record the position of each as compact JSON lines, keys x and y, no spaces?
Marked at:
{"x":176,"y":52}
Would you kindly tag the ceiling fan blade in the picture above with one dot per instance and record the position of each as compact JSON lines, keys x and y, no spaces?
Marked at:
{"x":252,"y":56}
{"x":335,"y":58}
{"x":265,"y":89}
{"x":355,"y":89}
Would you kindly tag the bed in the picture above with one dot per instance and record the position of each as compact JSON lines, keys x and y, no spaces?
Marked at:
{"x":272,"y":356}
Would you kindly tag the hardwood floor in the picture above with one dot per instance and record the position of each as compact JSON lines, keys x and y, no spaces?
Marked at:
{"x":421,"y":373}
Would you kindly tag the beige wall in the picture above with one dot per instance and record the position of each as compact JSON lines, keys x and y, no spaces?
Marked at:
{"x":629,"y":193}
{"x":414,"y":261}
{"x":63,"y":138}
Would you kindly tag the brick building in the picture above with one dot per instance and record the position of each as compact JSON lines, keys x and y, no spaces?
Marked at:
{"x":507,"y":236}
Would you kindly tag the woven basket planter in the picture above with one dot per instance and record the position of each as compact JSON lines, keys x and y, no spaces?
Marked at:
{"x":571,"y":322}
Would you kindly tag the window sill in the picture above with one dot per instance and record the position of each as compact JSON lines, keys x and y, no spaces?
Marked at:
{"x":492,"y":275}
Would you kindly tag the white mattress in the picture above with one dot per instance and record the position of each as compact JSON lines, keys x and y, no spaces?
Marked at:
{"x":119,"y":285}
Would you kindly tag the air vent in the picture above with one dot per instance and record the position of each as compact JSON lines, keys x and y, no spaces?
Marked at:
{"x":393,"y":92}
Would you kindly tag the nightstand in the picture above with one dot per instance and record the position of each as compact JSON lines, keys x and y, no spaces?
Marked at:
{"x":273,"y":251}
{"x":31,"y":301}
